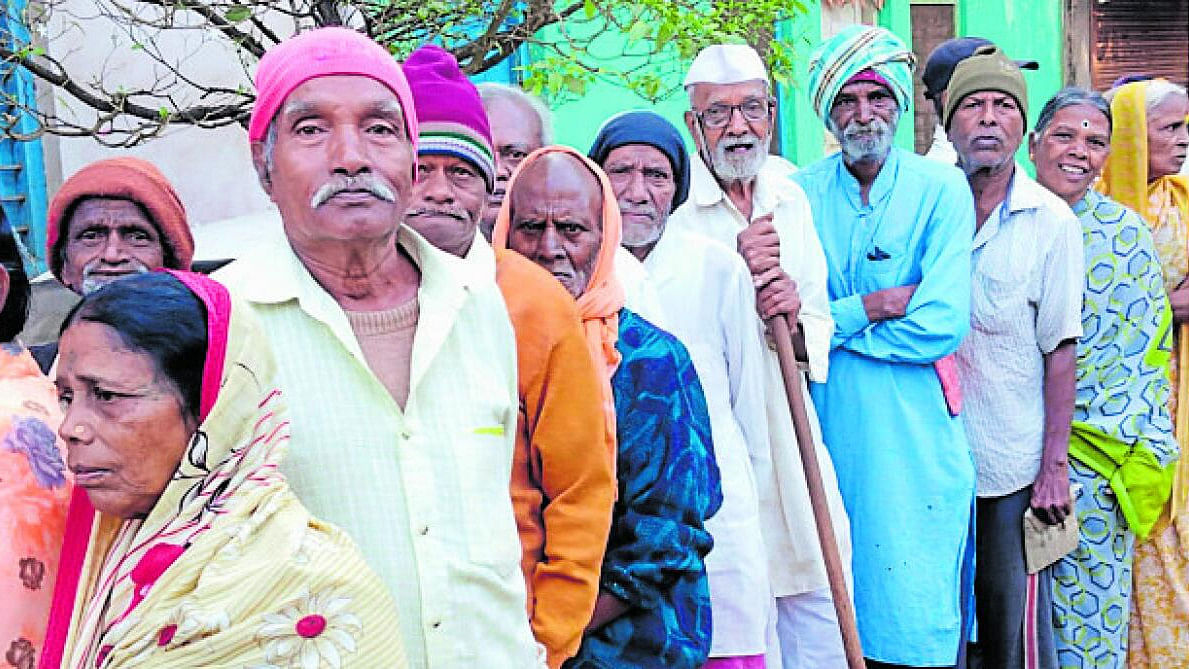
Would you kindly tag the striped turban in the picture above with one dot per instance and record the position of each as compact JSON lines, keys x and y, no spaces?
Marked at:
{"x":857,"y":49}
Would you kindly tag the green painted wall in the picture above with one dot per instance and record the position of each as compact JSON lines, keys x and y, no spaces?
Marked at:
{"x":576,"y":122}
{"x":1026,"y":29}
{"x":801,"y":132}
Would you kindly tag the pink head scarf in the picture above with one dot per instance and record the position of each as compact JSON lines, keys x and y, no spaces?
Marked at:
{"x":80,"y":519}
{"x":321,"y":53}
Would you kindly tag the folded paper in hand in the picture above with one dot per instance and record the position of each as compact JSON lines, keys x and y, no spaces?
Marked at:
{"x":1044,"y":544}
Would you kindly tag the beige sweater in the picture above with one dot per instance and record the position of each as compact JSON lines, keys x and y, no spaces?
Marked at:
{"x":386,"y":338}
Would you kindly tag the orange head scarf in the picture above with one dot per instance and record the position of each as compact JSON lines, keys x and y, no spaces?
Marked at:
{"x":599,"y":306}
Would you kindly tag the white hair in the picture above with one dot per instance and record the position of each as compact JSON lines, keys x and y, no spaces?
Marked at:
{"x":1157,"y":91}
{"x":492,"y":91}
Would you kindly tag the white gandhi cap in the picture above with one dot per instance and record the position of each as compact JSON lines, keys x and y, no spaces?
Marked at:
{"x":726,"y":64}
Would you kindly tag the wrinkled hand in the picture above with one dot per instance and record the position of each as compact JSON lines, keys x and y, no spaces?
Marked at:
{"x":888,"y":303}
{"x":1051,"y":501}
{"x":760,"y":245}
{"x":1179,"y":301}
{"x":776,"y":293}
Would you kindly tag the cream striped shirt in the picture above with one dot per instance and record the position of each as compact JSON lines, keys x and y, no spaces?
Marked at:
{"x":424,"y":491}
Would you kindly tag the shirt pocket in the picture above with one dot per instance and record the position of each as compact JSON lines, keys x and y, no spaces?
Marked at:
{"x":882,"y":262}
{"x":483,"y":462}
{"x":998,"y":303}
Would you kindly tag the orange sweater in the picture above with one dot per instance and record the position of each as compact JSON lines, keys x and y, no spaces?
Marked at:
{"x":563,"y":486}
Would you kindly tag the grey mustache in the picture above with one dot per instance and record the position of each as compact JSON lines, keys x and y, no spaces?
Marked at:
{"x":452,"y":213}
{"x":362,"y":182}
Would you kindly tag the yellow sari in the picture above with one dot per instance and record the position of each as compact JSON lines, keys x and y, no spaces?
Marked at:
{"x":1159,"y":633}
{"x":228,"y":569}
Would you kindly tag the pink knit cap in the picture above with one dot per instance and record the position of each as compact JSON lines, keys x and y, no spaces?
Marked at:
{"x":320,"y":53}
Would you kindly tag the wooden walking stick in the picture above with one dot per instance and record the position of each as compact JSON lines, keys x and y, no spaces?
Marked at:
{"x":783,"y":333}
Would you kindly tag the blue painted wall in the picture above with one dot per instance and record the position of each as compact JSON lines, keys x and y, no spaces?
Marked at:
{"x":22,"y":168}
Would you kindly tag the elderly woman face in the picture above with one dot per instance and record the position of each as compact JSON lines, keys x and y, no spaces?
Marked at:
{"x":557,"y":219}
{"x":124,"y":422}
{"x":1168,"y":137}
{"x":1070,"y":152}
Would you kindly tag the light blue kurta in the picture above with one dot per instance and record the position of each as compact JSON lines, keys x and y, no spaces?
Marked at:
{"x":903,"y":463}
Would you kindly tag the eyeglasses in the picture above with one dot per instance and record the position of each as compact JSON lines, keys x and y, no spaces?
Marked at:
{"x":719,"y":115}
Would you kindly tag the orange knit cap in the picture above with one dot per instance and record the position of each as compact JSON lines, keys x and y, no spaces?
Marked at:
{"x":126,"y":179}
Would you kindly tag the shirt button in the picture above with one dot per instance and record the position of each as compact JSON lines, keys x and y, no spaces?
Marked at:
{"x":424,"y":530}
{"x":437,"y":624}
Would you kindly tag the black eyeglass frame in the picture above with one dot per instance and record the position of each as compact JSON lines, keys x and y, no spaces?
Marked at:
{"x":769,"y":109}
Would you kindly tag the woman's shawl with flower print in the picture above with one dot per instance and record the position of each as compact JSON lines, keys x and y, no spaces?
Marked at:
{"x":229,"y":569}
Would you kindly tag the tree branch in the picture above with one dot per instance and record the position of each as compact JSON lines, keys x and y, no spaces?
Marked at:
{"x":240,"y":38}
{"x":119,"y":103}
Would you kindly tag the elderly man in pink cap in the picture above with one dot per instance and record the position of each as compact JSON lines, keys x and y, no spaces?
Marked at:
{"x":400,"y":371}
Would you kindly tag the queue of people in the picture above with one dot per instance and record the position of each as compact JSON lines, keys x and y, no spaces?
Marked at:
{"x":491,"y":401}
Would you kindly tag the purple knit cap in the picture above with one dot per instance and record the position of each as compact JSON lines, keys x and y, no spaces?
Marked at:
{"x":450,"y":115}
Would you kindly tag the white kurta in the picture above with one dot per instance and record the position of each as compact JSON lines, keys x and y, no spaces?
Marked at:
{"x":640,"y":296}
{"x":795,"y":563}
{"x":709,"y":304}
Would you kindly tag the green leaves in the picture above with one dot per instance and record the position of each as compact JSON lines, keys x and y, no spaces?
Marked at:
{"x":638,"y":30}
{"x":238,"y":13}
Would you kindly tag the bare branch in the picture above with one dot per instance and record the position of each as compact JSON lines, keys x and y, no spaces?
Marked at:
{"x":240,"y":38}
{"x":57,"y":76}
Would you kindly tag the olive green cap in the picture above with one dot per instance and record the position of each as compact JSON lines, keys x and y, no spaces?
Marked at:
{"x":987,"y":70}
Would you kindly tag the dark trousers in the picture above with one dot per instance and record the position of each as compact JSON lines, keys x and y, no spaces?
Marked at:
{"x":1001,"y":587}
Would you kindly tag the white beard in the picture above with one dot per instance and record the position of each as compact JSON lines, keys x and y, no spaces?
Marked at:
{"x":735,"y":167}
{"x":635,"y":236}
{"x":875,"y":146}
